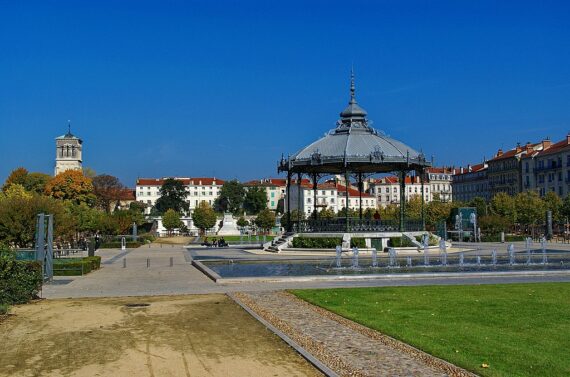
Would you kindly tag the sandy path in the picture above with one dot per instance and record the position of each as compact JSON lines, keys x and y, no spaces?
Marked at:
{"x":201,"y":335}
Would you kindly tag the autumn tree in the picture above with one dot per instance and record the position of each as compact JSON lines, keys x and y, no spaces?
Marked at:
{"x":17,"y":176}
{"x":71,"y":185}
{"x":204,"y":217}
{"x":107,"y":189}
{"x":36,"y":182}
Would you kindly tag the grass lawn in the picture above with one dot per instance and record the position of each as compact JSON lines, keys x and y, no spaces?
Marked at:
{"x":516,"y":329}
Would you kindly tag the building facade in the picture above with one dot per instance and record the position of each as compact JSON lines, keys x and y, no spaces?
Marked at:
{"x":550,"y":169}
{"x":440,"y":183}
{"x":205,"y":189}
{"x":330,"y":195}
{"x":471,"y":182}
{"x":68,"y":153}
{"x":386,"y":190}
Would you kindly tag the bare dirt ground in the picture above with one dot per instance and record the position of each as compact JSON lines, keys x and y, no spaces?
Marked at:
{"x":199,"y":335}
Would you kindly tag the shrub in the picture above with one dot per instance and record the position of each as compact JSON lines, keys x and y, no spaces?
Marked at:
{"x":4,"y":309}
{"x":75,"y":266}
{"x":20,"y":281}
{"x":400,"y":242}
{"x":497,"y":238}
{"x":325,"y":243}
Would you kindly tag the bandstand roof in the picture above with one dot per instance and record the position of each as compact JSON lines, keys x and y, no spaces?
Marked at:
{"x":354,"y":146}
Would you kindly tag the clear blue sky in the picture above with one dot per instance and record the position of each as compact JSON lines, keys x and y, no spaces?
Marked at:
{"x":201,"y":88}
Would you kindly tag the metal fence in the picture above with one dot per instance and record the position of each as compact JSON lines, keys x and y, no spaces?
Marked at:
{"x":354,"y":225}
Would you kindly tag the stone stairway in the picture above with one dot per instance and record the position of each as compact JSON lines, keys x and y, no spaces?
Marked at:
{"x":279,"y":243}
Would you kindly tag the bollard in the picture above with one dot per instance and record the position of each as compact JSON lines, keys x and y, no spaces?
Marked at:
{"x":124,"y":262}
{"x":171,"y":261}
{"x":147,"y":262}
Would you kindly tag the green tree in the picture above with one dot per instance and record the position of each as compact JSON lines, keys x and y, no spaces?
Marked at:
{"x":480,"y":204}
{"x":173,"y":195}
{"x":171,"y":220}
{"x":565,"y":209}
{"x":231,"y":197}
{"x":503,"y":205}
{"x":265,"y":220}
{"x":342,"y":212}
{"x":552,"y":202}
{"x":368,"y":213}
{"x":204,"y":217}
{"x":242,"y":222}
{"x":71,"y":185}
{"x":326,"y":213}
{"x":107,"y":189}
{"x":36,"y":182}
{"x":529,"y":207}
{"x":18,"y":216}
{"x":294,"y":215}
{"x":413,"y":207}
{"x":493,"y":224}
{"x":437,"y":212}
{"x":255,"y":200}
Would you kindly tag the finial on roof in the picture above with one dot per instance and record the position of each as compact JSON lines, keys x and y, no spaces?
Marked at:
{"x":69,"y":127}
{"x":352,"y":88}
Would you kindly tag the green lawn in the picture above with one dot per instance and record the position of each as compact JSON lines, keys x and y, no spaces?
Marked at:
{"x":517,"y":329}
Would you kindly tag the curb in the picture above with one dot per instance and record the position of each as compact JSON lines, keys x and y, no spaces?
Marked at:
{"x":309,"y":357}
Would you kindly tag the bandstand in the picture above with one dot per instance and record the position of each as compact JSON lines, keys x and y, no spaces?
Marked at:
{"x":355,"y":150}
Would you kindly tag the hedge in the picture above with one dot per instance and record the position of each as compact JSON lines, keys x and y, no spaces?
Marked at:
{"x":497,"y":238}
{"x":75,"y":266}
{"x":117,"y":245}
{"x":325,"y":243}
{"x":20,"y":281}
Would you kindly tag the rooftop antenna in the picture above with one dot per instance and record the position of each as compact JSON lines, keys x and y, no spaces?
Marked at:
{"x":69,"y":126}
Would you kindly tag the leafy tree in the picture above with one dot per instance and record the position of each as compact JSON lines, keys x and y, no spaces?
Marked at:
{"x":171,"y":220}
{"x":17,"y":176}
{"x":437,"y":212}
{"x":204,"y":217}
{"x":231,"y":197}
{"x":242,"y":222}
{"x":294,"y":214}
{"x":342,"y":212}
{"x":529,"y":207}
{"x":480,"y":204}
{"x":173,"y":195}
{"x":368,"y":213}
{"x":71,"y":185}
{"x":137,"y":207}
{"x":265,"y":220}
{"x":16,"y":190}
{"x":36,"y":182}
{"x":18,"y":216}
{"x":552,"y":202}
{"x":326,"y":213}
{"x":493,"y":224}
{"x":413,"y":207}
{"x":503,"y":205}
{"x":565,"y":208}
{"x":390,"y":212}
{"x":107,"y":189}
{"x":255,"y":200}
{"x":89,"y":173}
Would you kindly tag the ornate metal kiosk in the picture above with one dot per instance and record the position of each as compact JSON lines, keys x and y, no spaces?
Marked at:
{"x":354,"y":149}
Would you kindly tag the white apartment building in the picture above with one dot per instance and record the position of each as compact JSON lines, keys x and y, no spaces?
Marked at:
{"x":329,"y":195}
{"x":440,"y":183}
{"x":206,"y":189}
{"x":387,"y":190}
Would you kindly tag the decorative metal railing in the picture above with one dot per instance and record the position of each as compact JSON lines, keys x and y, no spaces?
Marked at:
{"x":354,"y":225}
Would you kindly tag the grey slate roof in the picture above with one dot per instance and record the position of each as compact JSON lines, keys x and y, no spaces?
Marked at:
{"x":354,"y":145}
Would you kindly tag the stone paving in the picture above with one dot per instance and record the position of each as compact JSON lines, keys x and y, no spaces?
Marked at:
{"x":347,"y":348}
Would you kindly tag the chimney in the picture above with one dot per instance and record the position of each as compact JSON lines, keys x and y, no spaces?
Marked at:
{"x":461,"y":170}
{"x":546,"y":143}
{"x":518,"y":148}
{"x":528,"y":147}
{"x":568,"y":138}
{"x":469,"y":168}
{"x":499,"y":153}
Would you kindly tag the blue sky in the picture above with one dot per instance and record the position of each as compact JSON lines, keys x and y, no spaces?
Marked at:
{"x":202,"y":88}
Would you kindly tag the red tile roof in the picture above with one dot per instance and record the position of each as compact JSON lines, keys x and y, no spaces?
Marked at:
{"x":556,"y":147}
{"x":267,"y":182}
{"x":198,"y":181}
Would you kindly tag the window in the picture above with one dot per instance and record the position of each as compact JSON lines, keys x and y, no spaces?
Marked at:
{"x":559,"y":176}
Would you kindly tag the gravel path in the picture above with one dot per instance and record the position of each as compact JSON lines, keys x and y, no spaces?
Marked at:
{"x":344,"y":346}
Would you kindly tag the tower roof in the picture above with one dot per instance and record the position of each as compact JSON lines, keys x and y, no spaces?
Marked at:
{"x":353,"y":110}
{"x":68,"y":135}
